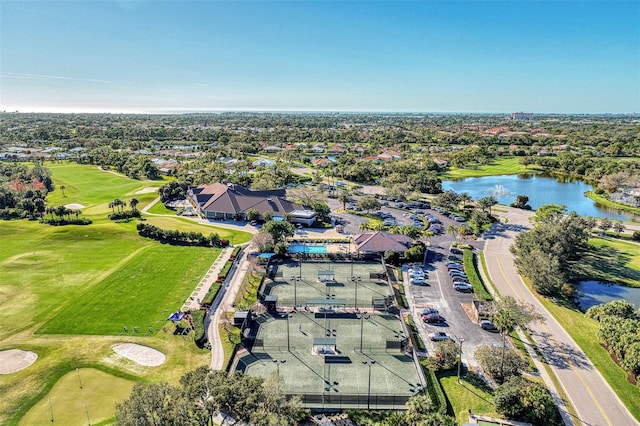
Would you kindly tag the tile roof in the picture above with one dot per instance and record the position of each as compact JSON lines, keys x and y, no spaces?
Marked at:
{"x":233,"y":199}
{"x":381,"y":241}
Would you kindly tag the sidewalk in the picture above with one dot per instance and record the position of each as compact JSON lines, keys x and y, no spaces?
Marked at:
{"x":193,"y":302}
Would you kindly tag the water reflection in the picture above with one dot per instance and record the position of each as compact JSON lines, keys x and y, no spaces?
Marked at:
{"x":595,"y":292}
{"x":540,"y":189}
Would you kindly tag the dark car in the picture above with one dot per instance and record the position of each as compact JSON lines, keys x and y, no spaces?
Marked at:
{"x":488,"y":325}
{"x":432,"y":318}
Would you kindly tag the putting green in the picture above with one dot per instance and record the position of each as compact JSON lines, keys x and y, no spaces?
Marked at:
{"x":69,"y":404}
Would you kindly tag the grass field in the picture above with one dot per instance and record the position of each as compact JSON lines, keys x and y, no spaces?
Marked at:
{"x":93,"y":280}
{"x":466,"y":396}
{"x":500,"y":166}
{"x":612,"y":260}
{"x":141,"y":292}
{"x":68,"y":404}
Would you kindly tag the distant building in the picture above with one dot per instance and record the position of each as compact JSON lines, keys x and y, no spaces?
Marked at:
{"x":522,"y":116}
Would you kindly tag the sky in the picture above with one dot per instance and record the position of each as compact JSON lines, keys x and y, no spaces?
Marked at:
{"x":397,"y":56}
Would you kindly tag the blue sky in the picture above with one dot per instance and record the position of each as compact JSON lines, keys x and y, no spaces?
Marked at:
{"x":455,"y":56}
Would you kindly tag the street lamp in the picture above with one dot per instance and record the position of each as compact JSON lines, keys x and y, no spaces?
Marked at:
{"x":295,"y":290}
{"x":460,"y":359}
{"x":277,"y":363}
{"x":356,"y":280}
{"x":362,"y":316}
{"x":369,"y":364}
{"x":287,"y":316}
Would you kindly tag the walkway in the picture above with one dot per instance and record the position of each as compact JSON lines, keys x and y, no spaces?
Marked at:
{"x":193,"y":302}
{"x":589,"y":393}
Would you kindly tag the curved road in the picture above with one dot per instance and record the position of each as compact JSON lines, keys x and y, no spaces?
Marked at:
{"x":593,"y":399}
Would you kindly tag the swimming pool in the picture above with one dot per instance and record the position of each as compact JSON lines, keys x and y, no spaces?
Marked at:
{"x":303,"y":248}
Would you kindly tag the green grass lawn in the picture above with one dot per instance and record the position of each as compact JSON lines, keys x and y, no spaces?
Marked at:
{"x":611,"y":260}
{"x":90,"y":186}
{"x":186,"y":225}
{"x":159,"y":208}
{"x":79,"y":279}
{"x":466,"y":396}
{"x":141,"y":292}
{"x":70,"y":405}
{"x":583,"y":330}
{"x":500,"y":166}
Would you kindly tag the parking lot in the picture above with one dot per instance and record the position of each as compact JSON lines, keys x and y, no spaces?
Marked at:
{"x":438,"y":291}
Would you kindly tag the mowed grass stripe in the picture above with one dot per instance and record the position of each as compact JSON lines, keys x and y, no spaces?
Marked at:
{"x":140,"y":293}
{"x":89,"y":185}
{"x":500,"y":166}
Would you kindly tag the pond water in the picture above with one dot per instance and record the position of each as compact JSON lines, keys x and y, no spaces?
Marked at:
{"x":595,"y":292}
{"x":540,"y":189}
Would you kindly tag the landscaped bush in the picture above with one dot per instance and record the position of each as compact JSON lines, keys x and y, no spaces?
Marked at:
{"x":474,"y":278}
{"x":235,"y":252}
{"x":198,"y":327}
{"x":179,"y":237}
{"x":124,"y":215}
{"x":211,"y":294}
{"x":636,"y":236}
{"x":62,"y":222}
{"x":225,"y":270}
{"x":402,"y":298}
{"x":415,"y":335}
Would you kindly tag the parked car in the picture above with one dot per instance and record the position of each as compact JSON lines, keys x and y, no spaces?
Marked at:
{"x":457,"y":274}
{"x":417,"y":281}
{"x":464,"y":287}
{"x":459,"y":219}
{"x":389,"y":222}
{"x":455,"y":250}
{"x":432,"y":318}
{"x":427,"y":311}
{"x":488,"y":325}
{"x":438,"y":336}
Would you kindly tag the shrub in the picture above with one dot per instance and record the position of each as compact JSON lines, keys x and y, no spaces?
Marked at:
{"x":636,"y":236}
{"x":198,"y":327}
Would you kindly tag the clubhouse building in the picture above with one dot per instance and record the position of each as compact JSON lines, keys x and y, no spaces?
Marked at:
{"x":232,"y":202}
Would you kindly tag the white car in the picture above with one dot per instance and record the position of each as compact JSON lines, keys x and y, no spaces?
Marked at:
{"x":463,"y":287}
{"x":416,"y":281}
{"x":438,"y":336}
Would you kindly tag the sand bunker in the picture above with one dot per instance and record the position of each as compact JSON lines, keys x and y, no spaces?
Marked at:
{"x":14,"y":360}
{"x":146,"y":190}
{"x":74,"y":206}
{"x":139,"y":354}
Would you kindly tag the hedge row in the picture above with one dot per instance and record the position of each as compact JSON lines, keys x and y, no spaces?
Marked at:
{"x":62,"y":222}
{"x":124,"y":215}
{"x":435,"y":391}
{"x":470,"y":268}
{"x":198,"y":326}
{"x":225,"y":270}
{"x":179,"y":237}
{"x":402,"y":299}
{"x":211,"y":294}
{"x":417,"y":340}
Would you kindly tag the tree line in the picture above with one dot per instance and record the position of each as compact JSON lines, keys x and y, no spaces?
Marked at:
{"x":23,"y":189}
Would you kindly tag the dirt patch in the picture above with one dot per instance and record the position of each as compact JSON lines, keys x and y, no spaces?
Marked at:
{"x":75,"y":206}
{"x":146,"y":190}
{"x":140,"y":354}
{"x":14,"y":360}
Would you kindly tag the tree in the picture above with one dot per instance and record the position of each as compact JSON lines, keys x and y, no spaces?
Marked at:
{"x":322,"y":210}
{"x":453,"y":230}
{"x":487,"y":202}
{"x":263,"y":241}
{"x":521,"y":202}
{"x":549,"y":212}
{"x":618,"y":227}
{"x":368,"y":203}
{"x":253,"y":214}
{"x":344,"y":197}
{"x":507,"y":315}
{"x":528,"y":401}
{"x":499,"y":363}
{"x":605,"y":224}
{"x":158,"y":405}
{"x":279,"y":230}
{"x":134,"y":204}
{"x":62,"y":188}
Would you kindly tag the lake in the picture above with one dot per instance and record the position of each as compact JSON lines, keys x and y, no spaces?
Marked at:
{"x":540,"y":189}
{"x":594,"y":293}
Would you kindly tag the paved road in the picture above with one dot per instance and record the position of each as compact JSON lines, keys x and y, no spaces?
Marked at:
{"x":588,"y":392}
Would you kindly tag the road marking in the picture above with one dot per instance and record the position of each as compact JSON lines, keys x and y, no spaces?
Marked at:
{"x":563,"y":353}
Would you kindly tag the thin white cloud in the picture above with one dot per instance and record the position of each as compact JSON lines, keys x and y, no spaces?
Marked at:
{"x":26,"y":76}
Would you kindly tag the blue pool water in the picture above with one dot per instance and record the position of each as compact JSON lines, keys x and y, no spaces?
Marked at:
{"x":303,"y":248}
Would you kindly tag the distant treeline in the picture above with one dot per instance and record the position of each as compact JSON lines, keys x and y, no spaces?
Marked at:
{"x":179,"y":237}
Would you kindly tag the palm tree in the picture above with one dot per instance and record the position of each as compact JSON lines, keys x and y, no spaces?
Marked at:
{"x":452,"y":230}
{"x":465,"y":198}
{"x":487,"y":203}
{"x":134,"y":204}
{"x":51,"y":211}
{"x":111,"y":206}
{"x":62,"y":188}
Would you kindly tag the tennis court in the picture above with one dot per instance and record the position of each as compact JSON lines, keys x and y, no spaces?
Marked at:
{"x":326,"y":351}
{"x":302,"y":283}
